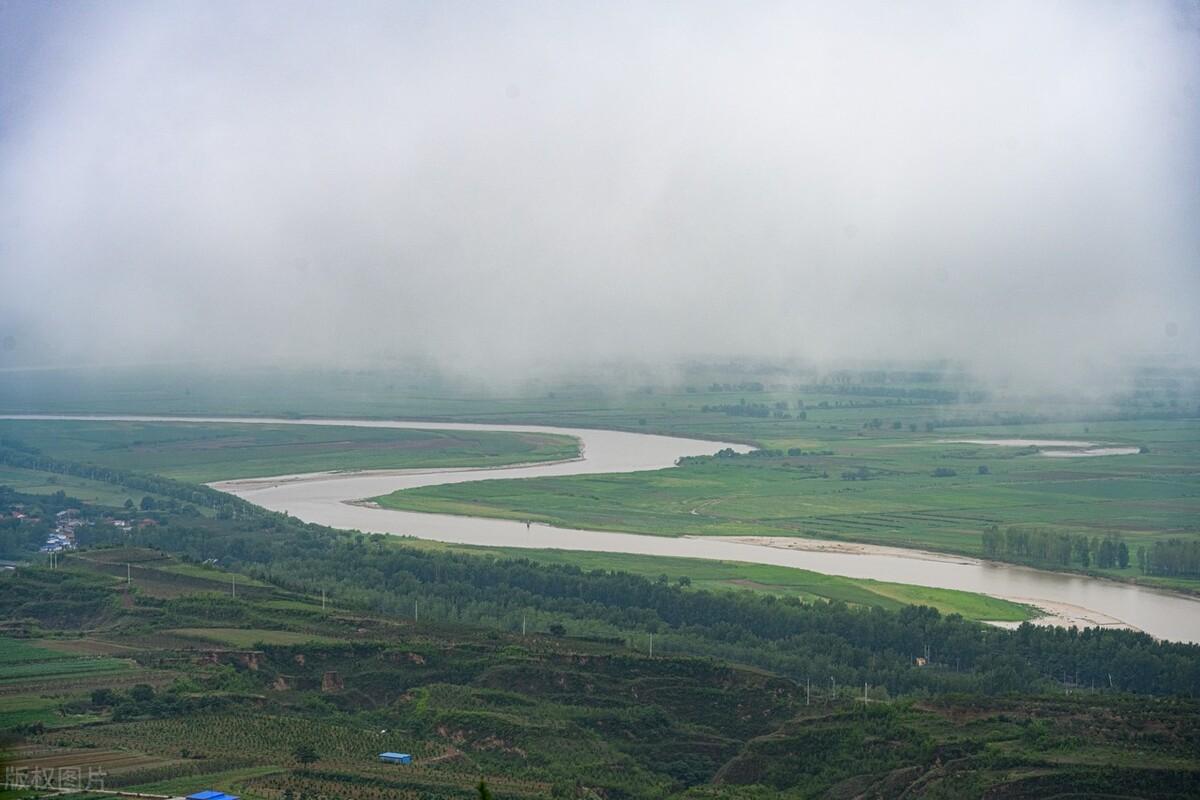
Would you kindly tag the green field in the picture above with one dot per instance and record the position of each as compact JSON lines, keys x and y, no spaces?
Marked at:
{"x":15,"y":651}
{"x":223,"y":781}
{"x":248,"y":637}
{"x":39,"y":482}
{"x":22,"y":663}
{"x":202,"y":452}
{"x":31,"y":709}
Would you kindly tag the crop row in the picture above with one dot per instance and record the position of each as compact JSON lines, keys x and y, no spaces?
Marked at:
{"x":271,"y":738}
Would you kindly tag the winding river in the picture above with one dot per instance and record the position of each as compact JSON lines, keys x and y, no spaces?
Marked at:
{"x":330,"y":499}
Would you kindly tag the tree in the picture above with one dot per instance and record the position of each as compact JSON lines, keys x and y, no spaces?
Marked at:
{"x":1122,"y":555}
{"x":484,"y":794}
{"x":142,"y":693}
{"x":129,"y":504}
{"x":983,"y":469}
{"x":992,"y":540}
{"x":684,"y":580}
{"x":305,"y":754}
{"x":147,"y":503}
{"x":557,"y":630}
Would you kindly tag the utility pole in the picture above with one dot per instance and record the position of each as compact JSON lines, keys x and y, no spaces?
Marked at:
{"x":416,"y":612}
{"x":522,"y":626}
{"x":652,"y":645}
{"x":808,"y":691}
{"x":833,"y":689}
{"x":322,"y":599}
{"x":234,"y":579}
{"x":128,"y":576}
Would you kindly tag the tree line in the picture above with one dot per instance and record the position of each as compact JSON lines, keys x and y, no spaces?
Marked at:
{"x":798,"y":639}
{"x":1173,"y":557}
{"x":1055,"y":548}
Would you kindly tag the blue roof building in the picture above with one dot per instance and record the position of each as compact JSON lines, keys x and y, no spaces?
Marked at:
{"x":394,"y":758}
{"x":211,"y":794}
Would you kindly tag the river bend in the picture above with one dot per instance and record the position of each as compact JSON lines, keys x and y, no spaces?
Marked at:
{"x":329,"y":499}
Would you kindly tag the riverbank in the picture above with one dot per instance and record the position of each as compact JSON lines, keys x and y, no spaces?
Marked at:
{"x":1052,"y":613}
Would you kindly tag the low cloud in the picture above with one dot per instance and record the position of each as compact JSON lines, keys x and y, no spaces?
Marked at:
{"x":498,"y":186}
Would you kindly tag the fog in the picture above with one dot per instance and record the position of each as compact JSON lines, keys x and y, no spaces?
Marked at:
{"x":505,"y":186}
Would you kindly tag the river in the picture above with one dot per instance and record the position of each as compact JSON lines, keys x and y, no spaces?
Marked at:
{"x":329,"y":499}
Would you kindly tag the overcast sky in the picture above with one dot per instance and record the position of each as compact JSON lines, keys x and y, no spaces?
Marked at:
{"x":502,"y":184}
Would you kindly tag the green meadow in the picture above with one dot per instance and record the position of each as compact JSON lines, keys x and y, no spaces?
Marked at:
{"x":38,"y":482}
{"x":202,"y":452}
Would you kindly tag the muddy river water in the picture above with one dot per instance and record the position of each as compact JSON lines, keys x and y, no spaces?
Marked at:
{"x":330,"y":499}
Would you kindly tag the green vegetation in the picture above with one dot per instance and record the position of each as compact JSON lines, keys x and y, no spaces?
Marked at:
{"x":543,"y":715}
{"x":247,"y":637}
{"x":709,"y":574}
{"x":32,"y":481}
{"x":784,"y":634}
{"x":535,"y":675}
{"x":169,"y":495}
{"x":1039,"y":747}
{"x":879,"y":489}
{"x":532,"y":670}
{"x":202,"y":452}
{"x":883,"y":425}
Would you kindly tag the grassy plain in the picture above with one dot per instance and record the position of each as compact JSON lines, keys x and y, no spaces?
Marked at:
{"x":202,"y":452}
{"x":34,"y":481}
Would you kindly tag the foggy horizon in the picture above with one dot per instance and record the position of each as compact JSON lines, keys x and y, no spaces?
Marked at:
{"x":495,"y":189}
